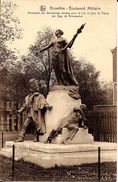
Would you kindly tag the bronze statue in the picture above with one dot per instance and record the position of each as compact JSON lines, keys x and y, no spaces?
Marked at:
{"x":72,"y":122}
{"x":61,"y":62}
{"x":34,"y":105}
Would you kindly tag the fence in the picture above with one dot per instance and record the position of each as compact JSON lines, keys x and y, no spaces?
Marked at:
{"x":102,"y":123}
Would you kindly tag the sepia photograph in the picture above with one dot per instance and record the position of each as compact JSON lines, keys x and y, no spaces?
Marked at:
{"x":58,"y":90}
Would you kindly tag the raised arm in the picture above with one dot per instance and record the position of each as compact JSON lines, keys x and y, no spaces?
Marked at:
{"x":47,"y":47}
{"x":69,"y":45}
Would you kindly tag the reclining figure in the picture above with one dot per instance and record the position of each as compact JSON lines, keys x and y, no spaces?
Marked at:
{"x":72,"y":122}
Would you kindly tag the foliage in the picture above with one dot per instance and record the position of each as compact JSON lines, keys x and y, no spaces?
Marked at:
{"x":10,"y":30}
{"x":108,"y":89}
{"x":91,"y":90}
{"x":39,"y":65}
{"x":4,"y":77}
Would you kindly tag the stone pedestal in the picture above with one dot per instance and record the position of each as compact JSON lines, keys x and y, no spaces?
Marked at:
{"x":49,"y":155}
{"x":62,"y":105}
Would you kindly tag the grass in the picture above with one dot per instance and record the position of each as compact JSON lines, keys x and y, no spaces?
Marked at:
{"x":25,"y":171}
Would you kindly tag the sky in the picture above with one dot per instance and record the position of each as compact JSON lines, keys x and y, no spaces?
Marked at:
{"x":94,"y":43}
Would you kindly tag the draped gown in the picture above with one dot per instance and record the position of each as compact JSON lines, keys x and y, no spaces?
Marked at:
{"x":61,"y":63}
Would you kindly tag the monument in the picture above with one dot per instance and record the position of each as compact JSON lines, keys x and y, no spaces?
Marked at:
{"x":65,"y":101}
{"x":64,"y":96}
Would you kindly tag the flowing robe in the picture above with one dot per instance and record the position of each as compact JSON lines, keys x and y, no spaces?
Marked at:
{"x":62,"y":64}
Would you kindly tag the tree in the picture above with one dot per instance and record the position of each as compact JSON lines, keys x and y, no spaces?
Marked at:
{"x":28,"y":67}
{"x":17,"y":83}
{"x":40,"y":65}
{"x":10,"y":30}
{"x":12,"y":83}
{"x":4,"y":77}
{"x":108,"y":89}
{"x":91,"y":90}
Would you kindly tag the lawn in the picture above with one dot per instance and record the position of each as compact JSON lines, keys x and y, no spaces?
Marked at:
{"x":25,"y":171}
